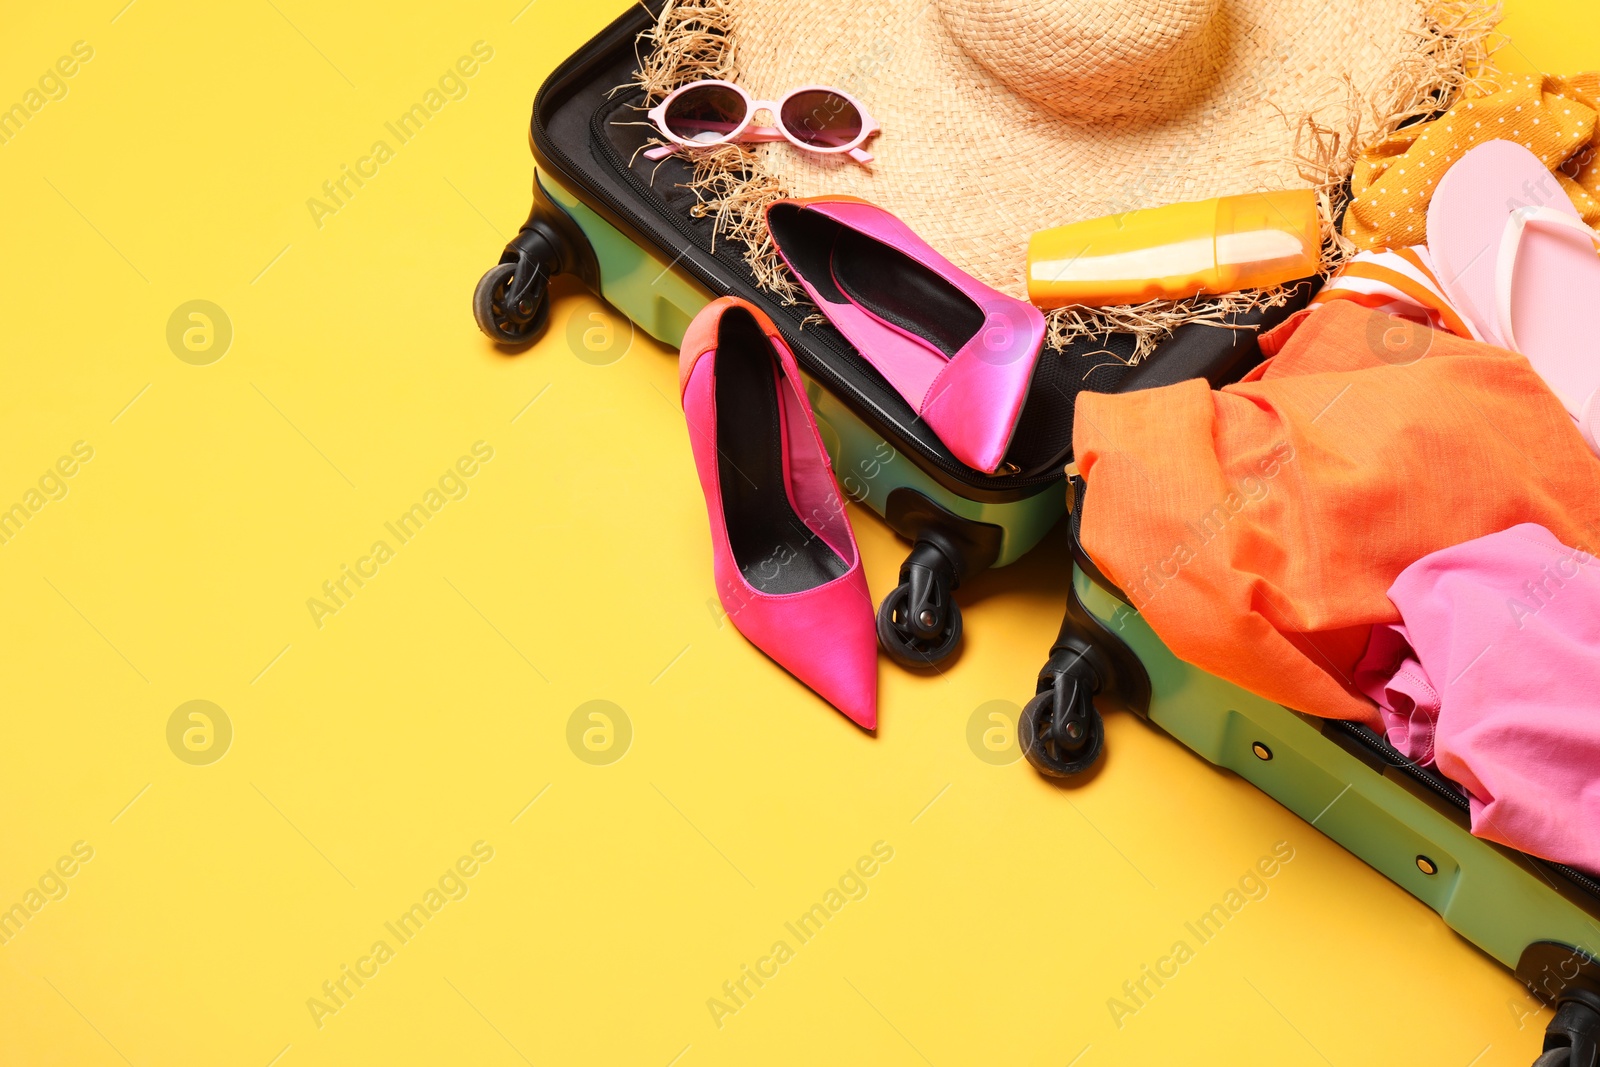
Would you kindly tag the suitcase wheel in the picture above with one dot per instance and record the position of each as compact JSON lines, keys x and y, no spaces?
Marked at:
{"x":1061,"y":731}
{"x":919,"y":623}
{"x":512,"y":301}
{"x":1573,"y":1037}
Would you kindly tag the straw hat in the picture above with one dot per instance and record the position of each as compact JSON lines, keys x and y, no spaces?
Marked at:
{"x":1001,"y":117}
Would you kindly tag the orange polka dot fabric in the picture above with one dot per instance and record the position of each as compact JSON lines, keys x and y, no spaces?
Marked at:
{"x":1553,"y":117}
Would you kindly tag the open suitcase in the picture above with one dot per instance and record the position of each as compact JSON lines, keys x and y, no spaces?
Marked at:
{"x":1540,"y":919}
{"x":626,"y":229}
{"x":624,"y":226}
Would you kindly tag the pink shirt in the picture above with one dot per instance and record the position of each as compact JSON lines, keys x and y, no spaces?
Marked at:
{"x":1494,"y":676}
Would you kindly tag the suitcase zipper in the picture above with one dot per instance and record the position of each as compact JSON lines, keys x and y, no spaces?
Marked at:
{"x":1380,"y":747}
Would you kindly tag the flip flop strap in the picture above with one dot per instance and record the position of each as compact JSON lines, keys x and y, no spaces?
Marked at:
{"x":1511,"y":243}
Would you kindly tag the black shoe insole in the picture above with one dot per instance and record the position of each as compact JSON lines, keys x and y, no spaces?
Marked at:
{"x":775,"y":551}
{"x":899,"y":290}
{"x":884,"y":280}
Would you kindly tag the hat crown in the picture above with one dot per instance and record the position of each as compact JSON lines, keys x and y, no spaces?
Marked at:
{"x":1092,"y":61}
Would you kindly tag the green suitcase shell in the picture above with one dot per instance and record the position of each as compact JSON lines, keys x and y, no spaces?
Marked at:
{"x":1540,"y":919}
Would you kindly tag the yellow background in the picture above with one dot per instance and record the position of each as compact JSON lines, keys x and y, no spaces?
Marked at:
{"x":370,"y":753}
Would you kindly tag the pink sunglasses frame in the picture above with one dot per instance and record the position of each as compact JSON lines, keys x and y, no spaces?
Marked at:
{"x":746,"y":133}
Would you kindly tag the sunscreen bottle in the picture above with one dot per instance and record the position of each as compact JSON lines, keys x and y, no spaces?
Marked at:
{"x":1180,"y":250}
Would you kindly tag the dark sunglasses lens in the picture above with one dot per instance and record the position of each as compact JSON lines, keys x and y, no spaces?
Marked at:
{"x":708,"y":113}
{"x":821,"y":118}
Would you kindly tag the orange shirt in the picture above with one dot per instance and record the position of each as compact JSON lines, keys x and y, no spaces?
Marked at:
{"x":1259,"y":527}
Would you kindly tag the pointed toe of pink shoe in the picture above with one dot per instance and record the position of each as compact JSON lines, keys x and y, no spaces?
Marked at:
{"x":839,"y":657}
{"x":858,"y":685}
{"x":857,"y":694}
{"x":864,"y":711}
{"x":865,"y":717}
{"x":826,"y":637}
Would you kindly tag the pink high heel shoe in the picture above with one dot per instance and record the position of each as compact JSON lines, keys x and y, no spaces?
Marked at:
{"x":787,"y":568}
{"x":962,"y":354}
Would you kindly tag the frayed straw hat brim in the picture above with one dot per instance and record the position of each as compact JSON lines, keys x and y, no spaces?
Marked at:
{"x":975,"y":161}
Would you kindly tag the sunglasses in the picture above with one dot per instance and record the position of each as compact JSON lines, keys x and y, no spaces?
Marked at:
{"x":815,"y":118}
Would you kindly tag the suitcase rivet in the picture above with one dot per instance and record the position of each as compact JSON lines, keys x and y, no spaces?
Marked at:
{"x":1262,"y":751}
{"x":1426,"y":866}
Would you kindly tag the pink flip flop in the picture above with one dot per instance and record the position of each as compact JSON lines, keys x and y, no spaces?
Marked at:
{"x":1517,"y":261}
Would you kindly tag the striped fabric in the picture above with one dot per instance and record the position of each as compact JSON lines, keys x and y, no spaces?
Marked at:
{"x":1399,"y":282}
